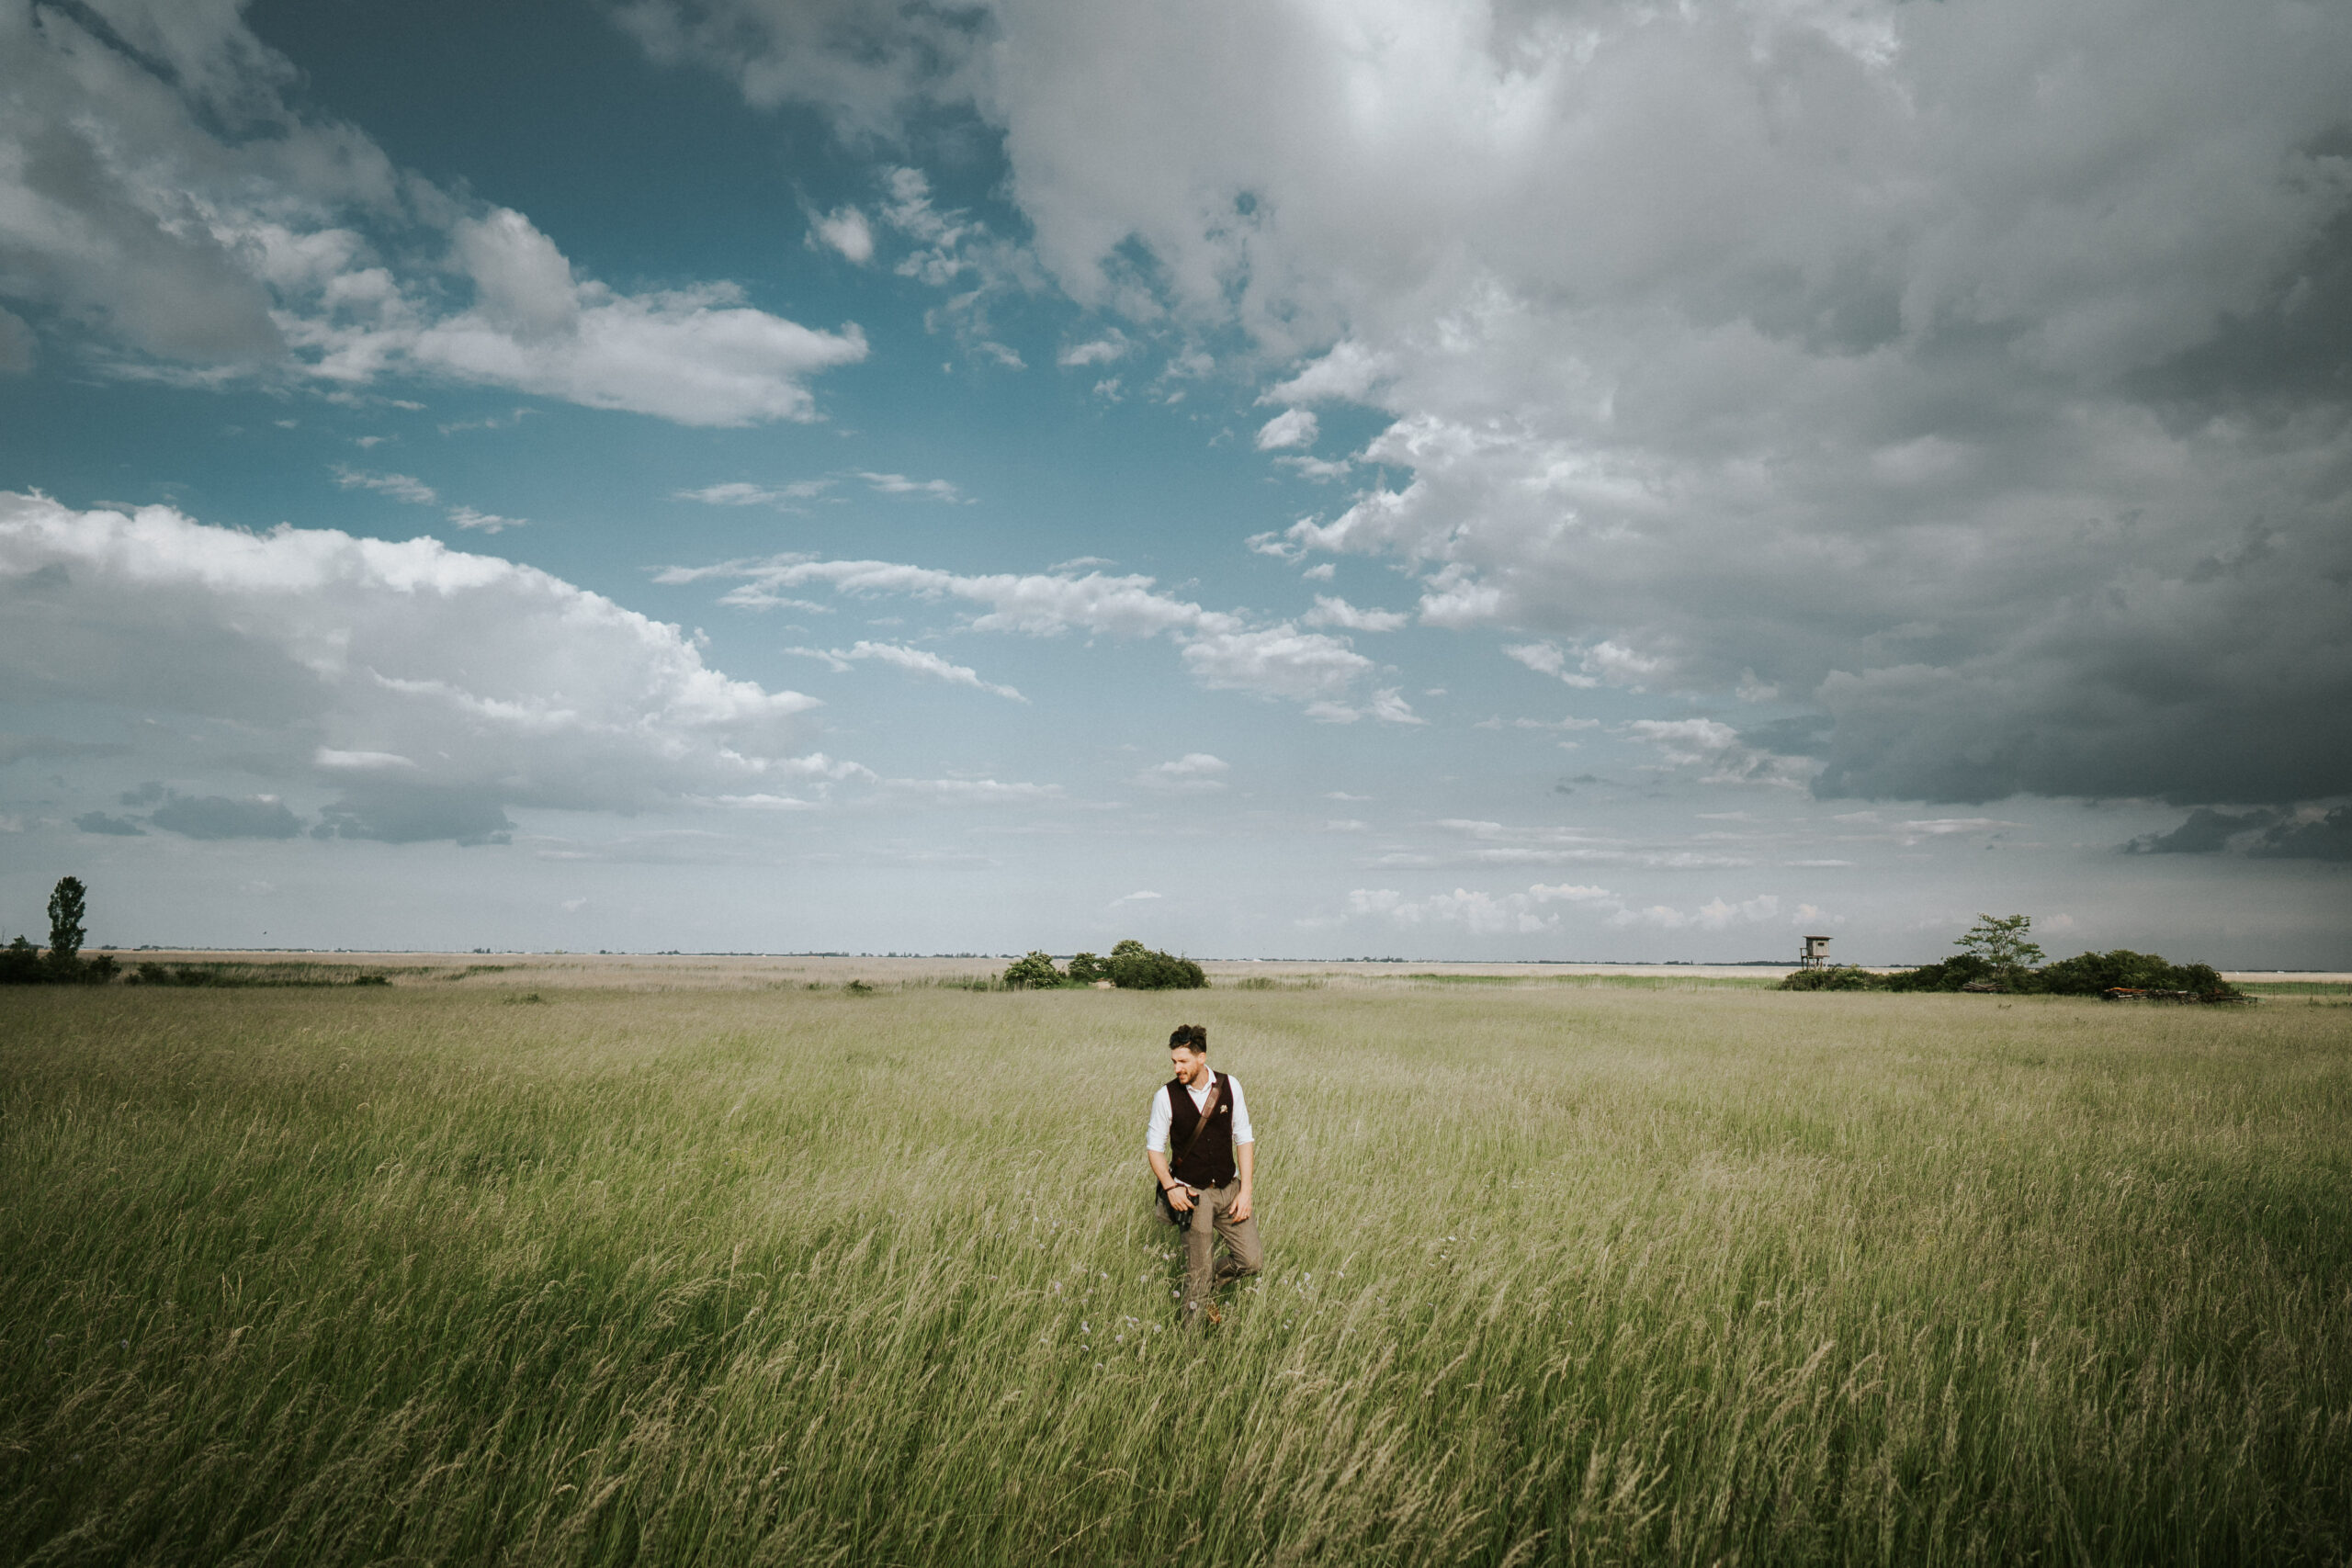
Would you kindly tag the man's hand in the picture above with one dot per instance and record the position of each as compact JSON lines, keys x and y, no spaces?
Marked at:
{"x":1239,"y":1207}
{"x":1179,"y":1197}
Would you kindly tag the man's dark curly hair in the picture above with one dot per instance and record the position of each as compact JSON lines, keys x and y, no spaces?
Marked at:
{"x":1192,"y":1034}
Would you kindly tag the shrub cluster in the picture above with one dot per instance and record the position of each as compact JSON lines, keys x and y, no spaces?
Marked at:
{"x":2089,"y":973}
{"x":1835,"y":978}
{"x":2086,"y":975}
{"x":1998,"y":953}
{"x":1132,"y":966}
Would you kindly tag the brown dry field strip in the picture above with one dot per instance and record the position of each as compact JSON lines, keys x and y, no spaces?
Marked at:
{"x":727,"y":970}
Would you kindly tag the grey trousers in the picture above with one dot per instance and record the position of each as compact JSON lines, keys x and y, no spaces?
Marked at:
{"x":1212,"y":1217}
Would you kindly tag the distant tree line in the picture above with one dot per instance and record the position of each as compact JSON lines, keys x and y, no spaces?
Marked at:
{"x":1132,"y":966}
{"x":1998,"y":953}
{"x":22,"y":964}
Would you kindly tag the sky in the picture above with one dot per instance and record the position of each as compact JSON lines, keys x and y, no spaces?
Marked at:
{"x":1436,"y":478}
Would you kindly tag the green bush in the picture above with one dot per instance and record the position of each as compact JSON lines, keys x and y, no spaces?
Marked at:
{"x":152,"y":974}
{"x":1835,"y":978}
{"x":1085,"y":969}
{"x":1035,"y":971}
{"x":20,"y":965}
{"x":1949,"y":975}
{"x":1135,"y":967}
{"x":2089,"y":973}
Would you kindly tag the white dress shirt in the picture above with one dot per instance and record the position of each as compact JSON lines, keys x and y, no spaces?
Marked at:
{"x":1155,"y":1137}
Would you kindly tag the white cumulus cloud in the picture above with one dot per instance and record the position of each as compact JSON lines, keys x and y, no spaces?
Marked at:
{"x":156,"y":187}
{"x":429,"y":688}
{"x":846,"y":231}
{"x":1292,"y":428}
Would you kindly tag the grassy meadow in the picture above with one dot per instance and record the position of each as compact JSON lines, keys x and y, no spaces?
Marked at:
{"x":1562,"y":1273}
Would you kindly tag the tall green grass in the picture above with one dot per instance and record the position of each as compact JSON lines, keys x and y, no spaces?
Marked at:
{"x":1556,"y":1275}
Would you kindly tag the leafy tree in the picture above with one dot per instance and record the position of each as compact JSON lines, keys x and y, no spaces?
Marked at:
{"x":1035,"y":971}
{"x":2002,"y":945}
{"x":65,"y":930}
{"x":1085,"y":969}
{"x":65,"y":909}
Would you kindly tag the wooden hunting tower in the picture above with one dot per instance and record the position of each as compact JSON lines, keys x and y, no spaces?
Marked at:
{"x":1816,"y":953}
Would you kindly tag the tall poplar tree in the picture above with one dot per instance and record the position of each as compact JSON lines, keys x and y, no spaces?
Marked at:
{"x":65,"y":932}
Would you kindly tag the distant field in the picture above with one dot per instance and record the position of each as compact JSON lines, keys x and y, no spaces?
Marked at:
{"x":677,"y":1262}
{"x":701,"y":971}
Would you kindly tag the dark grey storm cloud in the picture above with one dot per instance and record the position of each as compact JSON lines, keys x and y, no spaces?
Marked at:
{"x":17,"y":344}
{"x":1799,"y":735}
{"x":395,"y":815}
{"x":1845,"y":356}
{"x":2327,"y":837}
{"x":227,"y":816}
{"x":2205,"y":833}
{"x":23,"y":748}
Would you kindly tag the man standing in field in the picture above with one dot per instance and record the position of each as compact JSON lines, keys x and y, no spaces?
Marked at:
{"x":1205,"y":1188}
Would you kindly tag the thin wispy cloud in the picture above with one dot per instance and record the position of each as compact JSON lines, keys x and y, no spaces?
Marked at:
{"x":1335,"y":611}
{"x":1196,"y":773}
{"x":900,"y":484}
{"x":404,"y":487}
{"x":483,"y":521}
{"x":1220,"y":650}
{"x":913,"y":660}
{"x":740,"y":492}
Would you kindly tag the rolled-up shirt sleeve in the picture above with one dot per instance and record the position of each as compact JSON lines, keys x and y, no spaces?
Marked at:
{"x":1155,"y":1136}
{"x":1241,"y":1133}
